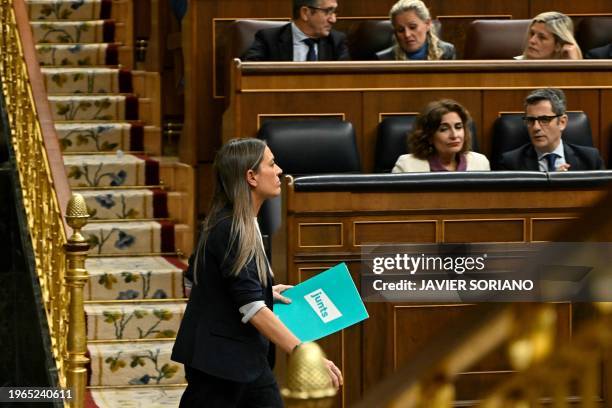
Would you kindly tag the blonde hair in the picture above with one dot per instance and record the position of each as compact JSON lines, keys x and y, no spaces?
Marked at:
{"x":434,"y":52}
{"x":231,"y":164}
{"x":560,"y":26}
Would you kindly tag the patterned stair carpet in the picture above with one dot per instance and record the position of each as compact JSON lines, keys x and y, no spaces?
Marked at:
{"x":107,"y":122}
{"x":133,"y":278}
{"x":158,"y":397}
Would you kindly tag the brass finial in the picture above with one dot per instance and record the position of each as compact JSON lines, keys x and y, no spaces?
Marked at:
{"x":441,"y":393}
{"x":543,"y":337}
{"x":604,"y":307}
{"x":520,"y":353}
{"x":308,"y":378}
{"x":599,"y":288}
{"x":537,"y":342}
{"x":77,"y":216}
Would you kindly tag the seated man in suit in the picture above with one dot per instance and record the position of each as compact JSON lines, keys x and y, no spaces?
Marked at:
{"x":309,"y":37}
{"x":546,"y":119}
{"x":604,"y":52}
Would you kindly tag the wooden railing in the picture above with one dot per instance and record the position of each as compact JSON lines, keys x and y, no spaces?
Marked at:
{"x":40,"y":179}
{"x":576,"y":373}
{"x":46,"y":192}
{"x":547,"y":373}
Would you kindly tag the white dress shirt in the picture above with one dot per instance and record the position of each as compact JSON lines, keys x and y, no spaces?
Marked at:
{"x":543,"y":162}
{"x":300,"y":49}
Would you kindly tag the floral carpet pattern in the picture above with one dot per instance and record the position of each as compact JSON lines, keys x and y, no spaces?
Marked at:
{"x":135,"y":296}
{"x":133,"y":278}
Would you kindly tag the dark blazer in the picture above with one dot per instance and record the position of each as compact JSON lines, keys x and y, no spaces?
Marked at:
{"x":212,"y":338}
{"x":276,"y":44}
{"x":604,"y":52}
{"x":448,"y":52}
{"x":526,"y":158}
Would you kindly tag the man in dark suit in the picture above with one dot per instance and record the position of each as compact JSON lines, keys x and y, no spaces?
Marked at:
{"x":309,"y":37}
{"x":546,"y":119}
{"x":604,"y":52}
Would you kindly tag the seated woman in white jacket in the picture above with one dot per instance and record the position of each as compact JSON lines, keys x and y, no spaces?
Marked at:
{"x":441,"y":141}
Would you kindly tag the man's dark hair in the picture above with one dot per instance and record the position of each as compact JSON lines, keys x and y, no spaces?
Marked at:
{"x":298,"y":4}
{"x":555,"y":96}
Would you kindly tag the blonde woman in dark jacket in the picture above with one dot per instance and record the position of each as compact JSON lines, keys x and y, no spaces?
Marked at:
{"x":415,"y":36}
{"x":227,"y":333}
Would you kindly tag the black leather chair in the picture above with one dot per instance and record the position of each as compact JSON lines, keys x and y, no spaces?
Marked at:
{"x":368,"y":38}
{"x":391,"y":141}
{"x":233,"y":42}
{"x":593,"y":32}
{"x":242,"y":34}
{"x":509,"y":132}
{"x":372,"y":36}
{"x":313,"y":146}
{"x":305,"y":147}
{"x":495,"y":39}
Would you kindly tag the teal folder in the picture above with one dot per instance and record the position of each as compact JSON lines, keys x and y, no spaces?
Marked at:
{"x":322,"y":305}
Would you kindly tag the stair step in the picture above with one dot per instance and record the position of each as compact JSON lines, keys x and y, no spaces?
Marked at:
{"x":175,"y":175}
{"x":135,"y":363}
{"x":90,"y":107}
{"x":100,"y":170}
{"x":130,"y":238}
{"x":75,"y":32}
{"x":134,"y":278}
{"x":101,"y":137}
{"x":183,"y":239}
{"x":70,"y":81}
{"x":77,"y":54}
{"x":112,"y":321}
{"x":126,"y":204}
{"x":137,"y":397}
{"x":69,"y":10}
{"x":106,"y":116}
{"x":152,"y":140}
{"x":180,"y":206}
{"x":179,"y":179}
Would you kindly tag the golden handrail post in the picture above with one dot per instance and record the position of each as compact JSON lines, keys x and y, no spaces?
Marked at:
{"x":76,"y":277}
{"x":308,"y":381}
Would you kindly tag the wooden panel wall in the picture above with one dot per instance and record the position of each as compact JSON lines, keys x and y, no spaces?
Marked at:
{"x":205,"y":21}
{"x":569,"y":7}
{"x":340,"y":224}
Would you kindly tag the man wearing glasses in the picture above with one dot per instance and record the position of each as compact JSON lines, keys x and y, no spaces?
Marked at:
{"x":545,"y":119}
{"x":309,"y":37}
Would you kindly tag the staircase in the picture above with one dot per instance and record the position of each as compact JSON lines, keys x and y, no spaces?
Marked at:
{"x":107,"y":118}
